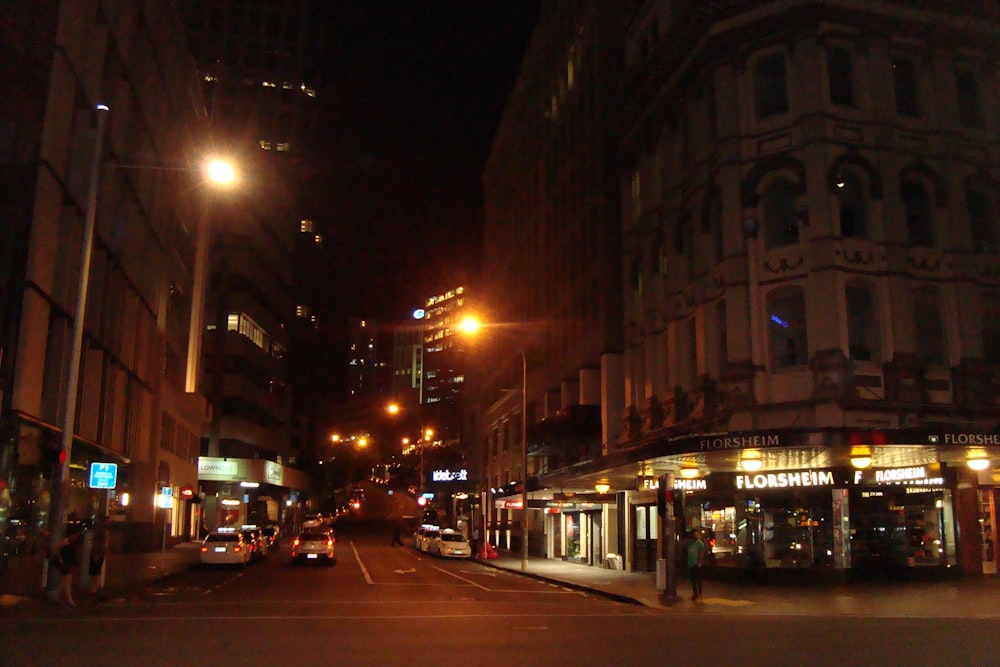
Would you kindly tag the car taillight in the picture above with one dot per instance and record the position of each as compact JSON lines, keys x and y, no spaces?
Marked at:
{"x":329,"y":543}
{"x":237,"y":548}
{"x":204,"y":548}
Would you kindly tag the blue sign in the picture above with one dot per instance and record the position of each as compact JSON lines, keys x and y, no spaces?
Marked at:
{"x":103,"y":475}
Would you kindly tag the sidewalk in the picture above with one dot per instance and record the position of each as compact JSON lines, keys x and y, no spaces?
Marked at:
{"x":22,"y":581}
{"x":973,"y":597}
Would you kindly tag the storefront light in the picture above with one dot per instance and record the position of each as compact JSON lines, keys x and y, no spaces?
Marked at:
{"x":689,"y":472}
{"x":861,"y":461}
{"x":978,"y":464}
{"x":602,"y":487}
{"x":751,"y":462}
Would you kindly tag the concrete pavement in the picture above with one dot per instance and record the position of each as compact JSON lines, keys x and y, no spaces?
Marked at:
{"x":972,"y":597}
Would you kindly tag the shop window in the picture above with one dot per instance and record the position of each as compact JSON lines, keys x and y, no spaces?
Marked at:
{"x":930,"y":339}
{"x":840,"y":77}
{"x":862,"y":327}
{"x":779,"y":212}
{"x":904,"y":80}
{"x":917,"y":206}
{"x":770,"y":86}
{"x":853,"y":204}
{"x":789,"y":345}
{"x":981,"y":207}
{"x":969,"y":104}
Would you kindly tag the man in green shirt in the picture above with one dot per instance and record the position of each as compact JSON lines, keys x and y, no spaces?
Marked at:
{"x":695,"y":552}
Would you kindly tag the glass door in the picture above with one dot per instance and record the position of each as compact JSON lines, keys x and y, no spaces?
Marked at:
{"x":988,"y":530}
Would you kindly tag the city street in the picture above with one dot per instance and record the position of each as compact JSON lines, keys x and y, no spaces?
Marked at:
{"x":392,"y":606}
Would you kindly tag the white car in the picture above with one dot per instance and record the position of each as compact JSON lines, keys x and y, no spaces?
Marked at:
{"x":225,"y":548}
{"x":450,"y":544}
{"x":315,"y":545}
{"x":422,"y":538}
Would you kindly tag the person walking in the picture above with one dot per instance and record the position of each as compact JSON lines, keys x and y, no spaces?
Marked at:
{"x":65,"y":560}
{"x":99,"y":553}
{"x":695,"y":552}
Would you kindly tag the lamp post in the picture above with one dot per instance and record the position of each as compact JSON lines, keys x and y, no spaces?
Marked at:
{"x":470,"y":326}
{"x":60,"y":504}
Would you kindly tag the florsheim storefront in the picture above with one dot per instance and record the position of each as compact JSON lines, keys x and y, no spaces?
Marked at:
{"x":832,"y":505}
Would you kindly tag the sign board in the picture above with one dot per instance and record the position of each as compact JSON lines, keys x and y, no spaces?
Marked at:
{"x":103,"y":475}
{"x":166,"y":498}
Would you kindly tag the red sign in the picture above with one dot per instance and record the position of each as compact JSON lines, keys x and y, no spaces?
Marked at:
{"x":187,"y":492}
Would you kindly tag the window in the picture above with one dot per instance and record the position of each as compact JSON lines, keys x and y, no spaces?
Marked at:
{"x":839,"y":77}
{"x":917,"y":205}
{"x":852,"y":204}
{"x":722,"y":333}
{"x":683,"y":236}
{"x":969,"y":106}
{"x":904,"y":81}
{"x":862,"y":329}
{"x":692,"y":352}
{"x":779,"y":213}
{"x":711,"y":220}
{"x":991,"y":328}
{"x":982,"y":227}
{"x":929,"y":326}
{"x":786,"y":312}
{"x":770,"y":86}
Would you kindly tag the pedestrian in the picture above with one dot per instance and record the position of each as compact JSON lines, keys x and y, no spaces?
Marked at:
{"x":99,"y":553}
{"x":695,"y":552}
{"x":65,"y":560}
{"x":397,"y":537}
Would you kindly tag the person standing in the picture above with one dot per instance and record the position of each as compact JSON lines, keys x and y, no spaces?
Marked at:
{"x":65,"y":560}
{"x":397,"y":537}
{"x":695,"y":552}
{"x":99,"y":553}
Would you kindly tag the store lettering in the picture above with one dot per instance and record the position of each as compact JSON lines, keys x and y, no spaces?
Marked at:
{"x":784,"y":480}
{"x":691,"y":484}
{"x":900,"y":474}
{"x":740,"y":442}
{"x":972,"y":439}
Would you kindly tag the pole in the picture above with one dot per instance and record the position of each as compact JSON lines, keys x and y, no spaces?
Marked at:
{"x":60,"y":504}
{"x":196,"y":330}
{"x":524,"y":461}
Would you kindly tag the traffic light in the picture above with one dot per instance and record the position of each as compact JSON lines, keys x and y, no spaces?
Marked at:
{"x":52,"y":459}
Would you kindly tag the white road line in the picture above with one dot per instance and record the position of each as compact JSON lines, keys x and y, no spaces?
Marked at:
{"x":364,"y":570}
{"x":468,"y":581}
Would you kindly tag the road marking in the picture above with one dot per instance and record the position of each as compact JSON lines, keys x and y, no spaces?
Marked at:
{"x":477,"y":572}
{"x":364,"y":570}
{"x":531,"y":627}
{"x":410,"y":571}
{"x":468,"y":581}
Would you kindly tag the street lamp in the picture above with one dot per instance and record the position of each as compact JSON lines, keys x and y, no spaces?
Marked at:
{"x":219,"y":173}
{"x":471,"y":326}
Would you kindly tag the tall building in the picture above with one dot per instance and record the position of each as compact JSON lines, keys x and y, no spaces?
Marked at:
{"x":809,"y":236}
{"x":134,"y":172}
{"x":552,"y":243}
{"x":258,"y":63}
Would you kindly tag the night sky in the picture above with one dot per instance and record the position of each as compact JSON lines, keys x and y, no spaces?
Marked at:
{"x":412,"y":95}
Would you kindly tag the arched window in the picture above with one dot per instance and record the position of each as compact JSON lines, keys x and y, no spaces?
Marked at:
{"x":918,"y":206}
{"x":853,"y":204}
{"x":779,"y":214}
{"x":929,"y":326}
{"x":786,"y":313}
{"x":862,"y":326}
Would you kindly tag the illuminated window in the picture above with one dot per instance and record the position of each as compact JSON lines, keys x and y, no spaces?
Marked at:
{"x":306,"y":226}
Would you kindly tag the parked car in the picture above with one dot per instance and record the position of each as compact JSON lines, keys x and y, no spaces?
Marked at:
{"x":312,"y":520}
{"x":258,"y":546}
{"x":314,"y":545}
{"x":271,"y":533}
{"x":225,"y":548}
{"x":450,"y":544}
{"x":427,"y":534}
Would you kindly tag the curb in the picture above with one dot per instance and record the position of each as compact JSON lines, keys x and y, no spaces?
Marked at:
{"x":617,"y":597}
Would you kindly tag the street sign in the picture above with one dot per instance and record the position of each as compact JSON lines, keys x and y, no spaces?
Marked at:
{"x":166,"y":498}
{"x":103,"y":475}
